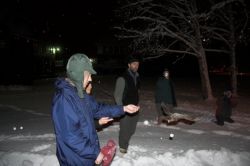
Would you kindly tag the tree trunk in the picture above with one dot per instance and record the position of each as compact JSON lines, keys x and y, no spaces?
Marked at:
{"x":233,"y":71}
{"x":233,"y":68}
{"x":205,"y":81}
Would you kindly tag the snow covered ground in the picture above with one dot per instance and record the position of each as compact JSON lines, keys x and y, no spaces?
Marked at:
{"x":27,"y":136}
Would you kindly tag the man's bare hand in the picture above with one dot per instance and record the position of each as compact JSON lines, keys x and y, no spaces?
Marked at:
{"x":104,"y":120}
{"x":131,"y":108}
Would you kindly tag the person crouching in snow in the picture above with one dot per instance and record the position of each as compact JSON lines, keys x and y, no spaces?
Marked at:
{"x":73,"y":114}
{"x":224,"y":107}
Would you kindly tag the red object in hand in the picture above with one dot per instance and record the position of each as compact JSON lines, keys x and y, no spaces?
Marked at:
{"x":108,"y":151}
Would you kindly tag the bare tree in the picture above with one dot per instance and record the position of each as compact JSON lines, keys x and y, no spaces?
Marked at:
{"x":175,"y":26}
{"x":230,"y":22}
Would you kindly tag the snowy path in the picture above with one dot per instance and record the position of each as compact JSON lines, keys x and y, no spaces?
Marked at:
{"x":198,"y":143}
{"x":203,"y":143}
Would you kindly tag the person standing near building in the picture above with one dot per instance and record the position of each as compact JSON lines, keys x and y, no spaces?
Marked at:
{"x":165,"y":99}
{"x":126,"y":92}
{"x":73,"y":114}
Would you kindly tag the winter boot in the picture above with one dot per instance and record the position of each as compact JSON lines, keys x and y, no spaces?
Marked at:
{"x":229,"y":120}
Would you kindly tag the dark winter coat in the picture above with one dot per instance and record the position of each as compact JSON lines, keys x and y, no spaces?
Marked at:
{"x":130,"y":93}
{"x":76,"y":137}
{"x":224,"y":106}
{"x":164,"y":91}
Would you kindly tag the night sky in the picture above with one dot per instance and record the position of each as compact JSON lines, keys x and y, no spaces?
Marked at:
{"x":75,"y":23}
{"x":70,"y":23}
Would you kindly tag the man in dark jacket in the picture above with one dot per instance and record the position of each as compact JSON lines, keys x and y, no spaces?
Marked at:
{"x":73,"y":114}
{"x":164,"y":96}
{"x":224,"y":107}
{"x":126,"y":92}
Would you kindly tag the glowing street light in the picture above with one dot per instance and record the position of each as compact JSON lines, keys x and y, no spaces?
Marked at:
{"x":54,"y":50}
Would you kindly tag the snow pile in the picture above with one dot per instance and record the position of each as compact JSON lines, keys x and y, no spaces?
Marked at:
{"x":139,"y":156}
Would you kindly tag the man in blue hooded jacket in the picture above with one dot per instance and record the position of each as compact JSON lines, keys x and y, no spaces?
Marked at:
{"x":73,"y":114}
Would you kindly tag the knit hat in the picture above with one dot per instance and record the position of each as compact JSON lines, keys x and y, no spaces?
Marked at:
{"x":134,"y":57}
{"x":77,"y":64}
{"x":228,"y":88}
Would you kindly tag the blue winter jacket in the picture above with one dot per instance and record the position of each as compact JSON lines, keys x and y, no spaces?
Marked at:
{"x":76,"y":137}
